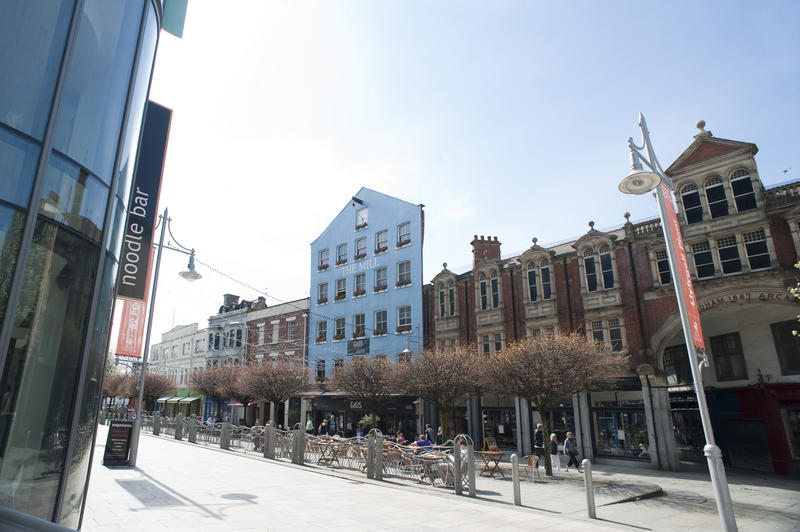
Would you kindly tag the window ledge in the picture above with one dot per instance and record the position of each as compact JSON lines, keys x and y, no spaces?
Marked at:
{"x":403,"y":244}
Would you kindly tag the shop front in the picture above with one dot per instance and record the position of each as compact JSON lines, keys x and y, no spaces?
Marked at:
{"x":619,"y":423}
{"x":398,"y":415}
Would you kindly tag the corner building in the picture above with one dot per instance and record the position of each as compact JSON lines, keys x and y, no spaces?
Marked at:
{"x":366,"y":290}
{"x":74,"y":79}
{"x":742,"y":242}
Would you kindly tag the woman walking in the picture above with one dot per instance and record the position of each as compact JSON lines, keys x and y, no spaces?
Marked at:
{"x":555,"y":459}
{"x":571,"y":449}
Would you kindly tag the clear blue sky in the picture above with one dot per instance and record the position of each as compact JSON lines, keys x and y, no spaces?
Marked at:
{"x":503,"y":118}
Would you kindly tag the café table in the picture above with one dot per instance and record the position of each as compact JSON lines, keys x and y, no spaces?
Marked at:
{"x":491,"y":462}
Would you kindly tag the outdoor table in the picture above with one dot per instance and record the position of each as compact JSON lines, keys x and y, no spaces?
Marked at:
{"x":327,"y":452}
{"x":491,"y":462}
{"x":429,"y":464}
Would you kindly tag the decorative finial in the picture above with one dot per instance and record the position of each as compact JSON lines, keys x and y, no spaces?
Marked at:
{"x":444,"y":265}
{"x":535,"y":240}
{"x":591,"y":226}
{"x":627,"y":216}
{"x":701,"y":124}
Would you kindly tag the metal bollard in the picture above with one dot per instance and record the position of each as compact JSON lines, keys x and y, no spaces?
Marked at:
{"x":459,"y":486}
{"x":515,"y":479}
{"x":269,"y":442}
{"x":377,"y":461}
{"x":179,"y":427}
{"x":587,"y":480}
{"x":156,"y":423}
{"x":300,"y":447}
{"x":471,"y":468}
{"x":192,"y":437}
{"x":224,"y":437}
{"x":370,"y":455}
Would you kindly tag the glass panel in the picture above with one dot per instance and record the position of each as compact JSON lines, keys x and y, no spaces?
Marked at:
{"x":788,"y":346}
{"x":96,"y":87}
{"x":38,"y":382}
{"x":532,"y":285}
{"x":73,"y":197}
{"x":18,"y":158}
{"x":84,"y":435}
{"x":12,"y":224}
{"x":691,"y":205}
{"x":32,"y":37}
{"x":546,"y":291}
{"x":141,"y":84}
{"x":591,"y":275}
{"x":608,"y":272}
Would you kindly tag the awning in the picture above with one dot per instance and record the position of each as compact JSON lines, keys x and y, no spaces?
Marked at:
{"x":235,"y":403}
{"x":189,"y":399}
{"x":163,"y":399}
{"x":173,"y":399}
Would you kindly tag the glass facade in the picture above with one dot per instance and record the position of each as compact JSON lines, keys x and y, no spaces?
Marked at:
{"x":75,"y":79}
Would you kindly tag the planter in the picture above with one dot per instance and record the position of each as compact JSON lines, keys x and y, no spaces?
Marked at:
{"x":338,"y":337}
{"x":402,"y":243}
{"x":381,"y":249}
{"x":359,"y":293}
{"x":359,"y":227}
{"x":322,"y":301}
{"x":360,"y":256}
{"x":403,"y":283}
{"x":322,"y":267}
{"x":404,"y":328}
{"x":339,"y":298}
{"x":320,"y":339}
{"x":379,"y":332}
{"x":340,"y":262}
{"x":380,"y":288}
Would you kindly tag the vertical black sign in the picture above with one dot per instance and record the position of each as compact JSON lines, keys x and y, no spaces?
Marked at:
{"x":118,"y":443}
{"x":138,"y":240}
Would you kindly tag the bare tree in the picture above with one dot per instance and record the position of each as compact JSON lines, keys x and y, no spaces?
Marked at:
{"x":551,"y":368}
{"x":208,"y":381}
{"x":370,"y":380}
{"x":155,"y":386}
{"x":443,"y":377}
{"x":234,"y":383}
{"x":112,"y":385}
{"x":277,"y":381}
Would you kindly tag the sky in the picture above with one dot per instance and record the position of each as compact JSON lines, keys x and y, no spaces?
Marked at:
{"x":507,"y":119}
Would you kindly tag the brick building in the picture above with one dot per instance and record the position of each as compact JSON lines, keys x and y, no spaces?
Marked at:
{"x":615,"y":286}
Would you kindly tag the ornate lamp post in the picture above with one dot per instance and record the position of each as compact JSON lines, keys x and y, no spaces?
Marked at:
{"x":190,"y":275}
{"x":640,"y":181}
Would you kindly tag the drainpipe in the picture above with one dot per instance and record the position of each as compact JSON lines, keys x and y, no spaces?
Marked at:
{"x":466,"y":309}
{"x":513,"y":303}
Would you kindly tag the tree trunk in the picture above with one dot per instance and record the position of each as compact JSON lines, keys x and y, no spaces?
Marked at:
{"x":445,"y":419}
{"x":545,"y":414}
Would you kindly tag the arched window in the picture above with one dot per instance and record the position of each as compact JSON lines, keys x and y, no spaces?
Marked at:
{"x":546,"y":286}
{"x":691,"y":204}
{"x":606,"y":267}
{"x":715,"y":195}
{"x":591,"y":271}
{"x":451,"y":294}
{"x":532,"y":291}
{"x":743,"y":193}
{"x":484,"y":294}
{"x":238,"y":338}
{"x":495,"y":291}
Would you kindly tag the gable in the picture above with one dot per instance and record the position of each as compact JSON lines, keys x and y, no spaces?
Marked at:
{"x":708,"y":148}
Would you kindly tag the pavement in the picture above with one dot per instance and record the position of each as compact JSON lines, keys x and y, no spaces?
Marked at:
{"x":179,"y":486}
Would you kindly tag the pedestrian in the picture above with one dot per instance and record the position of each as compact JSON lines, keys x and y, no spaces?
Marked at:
{"x":323,"y":428}
{"x":538,"y":444}
{"x":555,"y":458}
{"x":309,"y":426}
{"x":571,"y":450}
{"x":332,"y":426}
{"x":439,"y":436}
{"x":431,"y":437}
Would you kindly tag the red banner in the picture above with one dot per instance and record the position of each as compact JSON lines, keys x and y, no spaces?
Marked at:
{"x":683,"y":268}
{"x":131,"y":328}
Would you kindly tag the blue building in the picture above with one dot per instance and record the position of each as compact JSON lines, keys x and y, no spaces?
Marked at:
{"x":366,"y":282}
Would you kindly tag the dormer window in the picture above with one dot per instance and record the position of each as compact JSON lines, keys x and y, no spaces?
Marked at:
{"x":715,"y":195}
{"x":692,"y":208}
{"x":590,"y":264}
{"x":539,"y":285}
{"x":743,"y":194}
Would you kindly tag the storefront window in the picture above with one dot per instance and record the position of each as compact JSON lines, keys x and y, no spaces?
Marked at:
{"x":501,"y":423}
{"x":18,"y":158}
{"x":11,"y":226}
{"x":38,"y":382}
{"x":687,"y":426}
{"x":791,"y":422}
{"x":620,"y":426}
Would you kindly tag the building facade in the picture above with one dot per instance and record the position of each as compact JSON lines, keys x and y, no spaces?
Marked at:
{"x":227,"y":332}
{"x":366,"y":282}
{"x":75,"y":79}
{"x":278,"y":331}
{"x":615,"y":286}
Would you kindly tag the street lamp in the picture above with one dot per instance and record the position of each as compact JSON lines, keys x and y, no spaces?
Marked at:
{"x":190,"y":275}
{"x":641,"y":181}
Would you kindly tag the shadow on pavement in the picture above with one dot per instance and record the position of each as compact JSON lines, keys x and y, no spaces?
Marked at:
{"x":148,"y":493}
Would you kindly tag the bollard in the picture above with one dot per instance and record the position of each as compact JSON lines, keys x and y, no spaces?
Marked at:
{"x":157,"y":423}
{"x":459,"y":486}
{"x":515,"y":478}
{"x":300,"y":447}
{"x":192,"y":437}
{"x":370,"y":455}
{"x":224,"y":437}
{"x":377,"y":461}
{"x":471,"y":468}
{"x":269,"y":442}
{"x":586,"y":464}
{"x":179,"y":427}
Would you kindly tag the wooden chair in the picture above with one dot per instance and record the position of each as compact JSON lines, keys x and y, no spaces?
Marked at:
{"x":532,"y":461}
{"x":490,"y":444}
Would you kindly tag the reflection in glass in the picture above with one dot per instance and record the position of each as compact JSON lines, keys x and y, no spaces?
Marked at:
{"x":39,"y":378}
{"x":12,"y":223}
{"x":141,"y":82}
{"x":72,"y":196}
{"x":96,"y":87}
{"x":18,"y":157}
{"x":88,"y":403}
{"x":32,"y":37}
